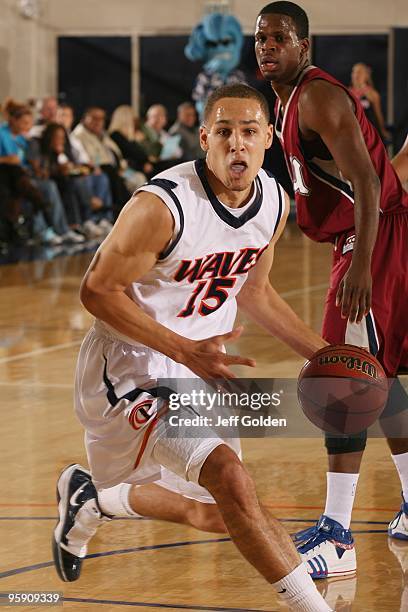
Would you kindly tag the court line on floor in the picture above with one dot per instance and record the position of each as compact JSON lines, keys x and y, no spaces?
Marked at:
{"x":37,"y":385}
{"x":311,"y":289}
{"x":142,"y":604}
{"x":357,"y":509}
{"x":109,"y":553}
{"x":54,"y":518}
{"x":40,"y":351}
{"x":121,"y":551}
{"x":124,"y":551}
{"x":146,"y":518}
{"x":56,"y":347}
{"x":270,"y":506}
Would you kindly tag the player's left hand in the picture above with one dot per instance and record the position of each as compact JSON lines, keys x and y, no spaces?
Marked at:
{"x":354,"y":293}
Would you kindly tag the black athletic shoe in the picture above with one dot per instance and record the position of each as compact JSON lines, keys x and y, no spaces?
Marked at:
{"x":79,"y":518}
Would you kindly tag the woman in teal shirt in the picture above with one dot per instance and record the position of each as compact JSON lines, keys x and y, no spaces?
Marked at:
{"x":49,"y":220}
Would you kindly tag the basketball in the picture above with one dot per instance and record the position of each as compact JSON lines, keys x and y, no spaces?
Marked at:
{"x":342,"y":389}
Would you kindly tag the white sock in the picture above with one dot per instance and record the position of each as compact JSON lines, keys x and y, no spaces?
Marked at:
{"x":115,"y":500}
{"x":341,"y":490}
{"x":298,"y":591}
{"x":401,"y":463}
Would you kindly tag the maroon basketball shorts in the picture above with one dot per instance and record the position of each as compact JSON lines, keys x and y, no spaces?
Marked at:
{"x":384,"y":331}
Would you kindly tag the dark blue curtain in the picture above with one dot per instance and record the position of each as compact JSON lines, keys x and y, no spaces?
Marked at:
{"x":94,"y":70}
{"x":400,"y":86}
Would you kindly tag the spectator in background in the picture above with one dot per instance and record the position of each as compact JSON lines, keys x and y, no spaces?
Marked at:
{"x":139,"y":134}
{"x":125,"y":131}
{"x":158,"y":143}
{"x":122,"y":130}
{"x":47,"y":114}
{"x":103,"y":153}
{"x":47,"y":217}
{"x":186,"y":128}
{"x":97,"y":182}
{"x":65,"y":117}
{"x":154,"y":132}
{"x":363,"y":88}
{"x":69,"y":178}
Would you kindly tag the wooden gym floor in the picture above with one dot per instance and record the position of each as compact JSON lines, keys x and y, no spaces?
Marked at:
{"x":148,"y":564}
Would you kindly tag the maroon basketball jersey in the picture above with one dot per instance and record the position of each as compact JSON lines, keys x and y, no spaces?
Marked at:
{"x":324,"y":198}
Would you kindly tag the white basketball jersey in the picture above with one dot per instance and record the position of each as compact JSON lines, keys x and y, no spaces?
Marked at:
{"x":192,"y":287}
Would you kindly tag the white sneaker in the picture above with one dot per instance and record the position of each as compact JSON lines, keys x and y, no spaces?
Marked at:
{"x":105,"y":225}
{"x":398,"y":528}
{"x":79,"y":518}
{"x":92,"y":230}
{"x":330,"y":551}
{"x":73,"y":237}
{"x":50,"y":237}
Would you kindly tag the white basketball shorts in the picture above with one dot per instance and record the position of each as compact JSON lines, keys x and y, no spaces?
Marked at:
{"x":124,"y":437}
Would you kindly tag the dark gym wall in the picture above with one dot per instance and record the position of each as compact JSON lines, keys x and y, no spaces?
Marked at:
{"x":94,"y":70}
{"x":97,"y":70}
{"x":400,"y":86}
{"x":337,"y":54}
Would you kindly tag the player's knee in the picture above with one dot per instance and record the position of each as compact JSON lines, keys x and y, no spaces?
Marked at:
{"x":337,"y":445}
{"x":237,"y":490}
{"x":227,"y":479}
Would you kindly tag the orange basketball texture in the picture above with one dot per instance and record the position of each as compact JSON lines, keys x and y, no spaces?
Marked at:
{"x":342,"y":389}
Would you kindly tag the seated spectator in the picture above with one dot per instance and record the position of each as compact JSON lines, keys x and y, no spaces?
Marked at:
{"x":54,"y":162}
{"x":123,"y":133}
{"x":47,"y":114}
{"x":48,"y":215}
{"x":158,"y":143}
{"x":124,"y":130}
{"x":139,"y":134}
{"x":65,"y":117}
{"x":97,"y":182}
{"x":11,"y":231}
{"x":186,"y":128}
{"x":104,"y":153}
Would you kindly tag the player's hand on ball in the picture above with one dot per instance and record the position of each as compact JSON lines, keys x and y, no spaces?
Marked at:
{"x":354,"y":293}
{"x":207,"y":359}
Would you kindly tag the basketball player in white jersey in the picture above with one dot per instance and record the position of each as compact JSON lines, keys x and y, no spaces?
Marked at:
{"x":163,"y":288}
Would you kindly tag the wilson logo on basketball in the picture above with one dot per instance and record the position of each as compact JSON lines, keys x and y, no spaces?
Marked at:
{"x":352,"y":363}
{"x":140,"y":414}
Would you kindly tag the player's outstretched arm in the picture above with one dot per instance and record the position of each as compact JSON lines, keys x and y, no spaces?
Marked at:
{"x":325,"y":110}
{"x":143,"y":230}
{"x":400,"y":163}
{"x":259,"y":300}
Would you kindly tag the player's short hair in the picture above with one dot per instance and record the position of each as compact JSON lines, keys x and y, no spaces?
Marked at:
{"x":294,"y":11}
{"x":236,"y":90}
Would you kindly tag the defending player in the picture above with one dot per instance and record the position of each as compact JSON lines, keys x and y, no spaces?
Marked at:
{"x":346,"y":192}
{"x":163,"y":289}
